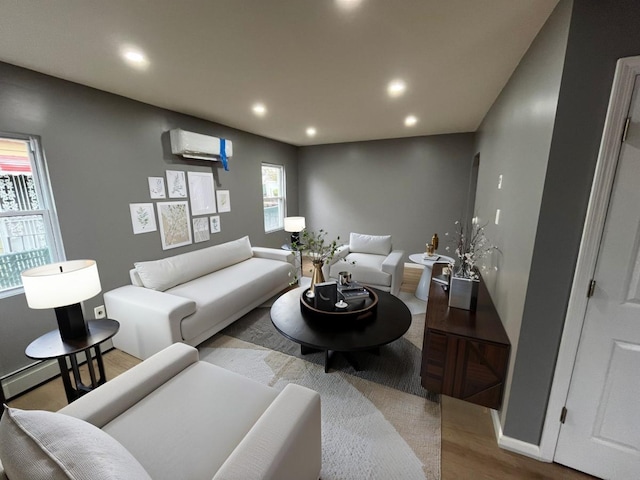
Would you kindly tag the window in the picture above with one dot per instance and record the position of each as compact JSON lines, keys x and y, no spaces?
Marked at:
{"x":29,"y":231}
{"x":273,"y":198}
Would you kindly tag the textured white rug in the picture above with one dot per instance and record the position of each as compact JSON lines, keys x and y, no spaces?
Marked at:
{"x":369,"y":430}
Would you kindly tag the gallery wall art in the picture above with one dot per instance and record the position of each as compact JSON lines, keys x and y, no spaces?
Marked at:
{"x":143,"y":217}
{"x":224,"y":200}
{"x":201,"y":230}
{"x":191,"y":194}
{"x":176,"y":184}
{"x":156,"y":188}
{"x":215,"y":223}
{"x":202,"y":193}
{"x":175,"y":227}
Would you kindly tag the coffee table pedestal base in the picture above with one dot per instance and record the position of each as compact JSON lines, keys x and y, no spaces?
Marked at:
{"x":329,"y":354}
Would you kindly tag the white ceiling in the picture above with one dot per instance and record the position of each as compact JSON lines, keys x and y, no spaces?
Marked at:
{"x":311,"y":62}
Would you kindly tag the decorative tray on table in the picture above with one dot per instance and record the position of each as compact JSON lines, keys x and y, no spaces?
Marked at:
{"x":356,"y":309}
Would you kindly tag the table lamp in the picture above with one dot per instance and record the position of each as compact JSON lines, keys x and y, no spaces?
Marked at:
{"x":294,"y":225}
{"x":62,"y":286}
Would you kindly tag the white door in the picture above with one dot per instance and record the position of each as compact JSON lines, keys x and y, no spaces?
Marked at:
{"x":601,"y":433}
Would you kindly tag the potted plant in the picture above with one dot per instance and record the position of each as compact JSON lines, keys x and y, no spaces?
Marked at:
{"x":319,"y":249}
{"x":464,"y":280}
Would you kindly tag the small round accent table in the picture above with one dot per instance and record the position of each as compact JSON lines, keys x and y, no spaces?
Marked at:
{"x":422,"y":292}
{"x":314,"y":333}
{"x":50,"y":346}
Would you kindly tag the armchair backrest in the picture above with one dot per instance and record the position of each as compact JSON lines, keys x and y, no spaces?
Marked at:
{"x":374,"y":244}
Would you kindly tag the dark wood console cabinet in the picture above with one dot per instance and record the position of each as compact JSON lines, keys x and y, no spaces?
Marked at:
{"x":464,"y":354}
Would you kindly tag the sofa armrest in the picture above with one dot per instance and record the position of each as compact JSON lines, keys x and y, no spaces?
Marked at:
{"x":103,"y":404}
{"x":394,"y":265}
{"x":274,"y":254}
{"x":149,"y":319}
{"x":285,"y":442}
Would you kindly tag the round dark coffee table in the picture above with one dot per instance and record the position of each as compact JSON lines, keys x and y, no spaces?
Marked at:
{"x":391,"y":320}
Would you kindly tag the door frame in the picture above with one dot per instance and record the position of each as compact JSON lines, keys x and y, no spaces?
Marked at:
{"x":619,"y":102}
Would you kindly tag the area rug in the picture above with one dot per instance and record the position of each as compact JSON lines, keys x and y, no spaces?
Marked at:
{"x":376,"y":424}
{"x":397,"y":365}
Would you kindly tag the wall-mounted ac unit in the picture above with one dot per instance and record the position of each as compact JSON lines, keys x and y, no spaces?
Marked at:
{"x":196,"y":145}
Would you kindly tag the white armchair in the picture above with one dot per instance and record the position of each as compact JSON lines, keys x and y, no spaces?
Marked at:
{"x":371,"y":261}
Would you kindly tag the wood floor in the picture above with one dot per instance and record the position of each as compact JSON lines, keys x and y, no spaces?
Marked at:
{"x":469,"y":448}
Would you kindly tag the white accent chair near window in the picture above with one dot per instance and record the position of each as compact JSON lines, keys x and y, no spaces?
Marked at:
{"x":371,"y":261}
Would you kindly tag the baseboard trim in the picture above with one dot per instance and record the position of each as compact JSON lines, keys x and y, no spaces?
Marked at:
{"x":30,"y":377}
{"x":512,"y":444}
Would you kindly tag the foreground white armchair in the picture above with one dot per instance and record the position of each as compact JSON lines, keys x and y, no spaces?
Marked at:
{"x":371,"y":261}
{"x":179,"y":418}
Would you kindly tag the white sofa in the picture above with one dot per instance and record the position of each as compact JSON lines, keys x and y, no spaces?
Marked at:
{"x":371,"y":261}
{"x":189,"y":297}
{"x":178,"y":417}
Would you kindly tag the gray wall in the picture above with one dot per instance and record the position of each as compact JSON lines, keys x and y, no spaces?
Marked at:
{"x":100,"y":149}
{"x":514,"y":140}
{"x":600,"y":33}
{"x":410,"y":188}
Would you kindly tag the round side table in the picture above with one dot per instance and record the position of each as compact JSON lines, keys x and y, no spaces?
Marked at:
{"x":51,"y":345}
{"x":422,"y":292}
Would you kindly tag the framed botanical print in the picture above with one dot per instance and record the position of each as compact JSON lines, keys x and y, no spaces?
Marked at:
{"x":175,"y":228}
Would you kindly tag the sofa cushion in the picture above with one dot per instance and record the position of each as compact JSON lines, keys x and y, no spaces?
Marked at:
{"x":206,"y":408}
{"x":374,"y":244}
{"x":365,"y":268}
{"x":168,"y":272}
{"x":222,"y":294}
{"x":36,"y":445}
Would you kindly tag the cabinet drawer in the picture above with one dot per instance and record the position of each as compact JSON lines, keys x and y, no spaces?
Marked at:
{"x":434,"y":364}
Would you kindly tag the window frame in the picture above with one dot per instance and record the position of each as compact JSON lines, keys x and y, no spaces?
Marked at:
{"x":44,"y":190}
{"x":282,"y":197}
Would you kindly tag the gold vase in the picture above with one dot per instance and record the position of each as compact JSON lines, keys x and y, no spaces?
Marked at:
{"x":316,"y":276}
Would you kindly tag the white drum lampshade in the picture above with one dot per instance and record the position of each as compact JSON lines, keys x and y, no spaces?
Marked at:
{"x":63,"y":286}
{"x":294,"y":225}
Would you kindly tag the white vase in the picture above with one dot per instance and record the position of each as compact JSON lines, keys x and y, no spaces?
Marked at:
{"x":463,"y":293}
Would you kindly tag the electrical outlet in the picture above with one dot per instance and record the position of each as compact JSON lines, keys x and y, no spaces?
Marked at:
{"x":99,"y":312}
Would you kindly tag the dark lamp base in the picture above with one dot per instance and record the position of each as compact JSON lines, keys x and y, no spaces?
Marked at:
{"x":295,"y":238}
{"x":71,"y":322}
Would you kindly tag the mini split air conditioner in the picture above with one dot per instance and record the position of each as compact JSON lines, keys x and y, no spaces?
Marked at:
{"x":196,"y":145}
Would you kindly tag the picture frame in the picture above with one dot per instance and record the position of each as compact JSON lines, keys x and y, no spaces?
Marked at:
{"x":224,"y":200}
{"x":215,"y":224}
{"x":143,"y":218}
{"x":201,"y":230}
{"x":201,"y":193}
{"x":176,"y":184}
{"x":175,"y":227}
{"x":156,"y":188}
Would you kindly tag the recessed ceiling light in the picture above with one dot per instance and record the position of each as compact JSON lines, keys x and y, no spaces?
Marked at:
{"x":135,"y":57}
{"x":311,"y":132}
{"x":259,"y":109}
{"x":410,"y":121}
{"x":348,"y":4}
{"x":396,"y":88}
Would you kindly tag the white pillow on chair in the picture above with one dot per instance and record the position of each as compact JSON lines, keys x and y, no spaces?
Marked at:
{"x":35,"y":445}
{"x":374,"y":244}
